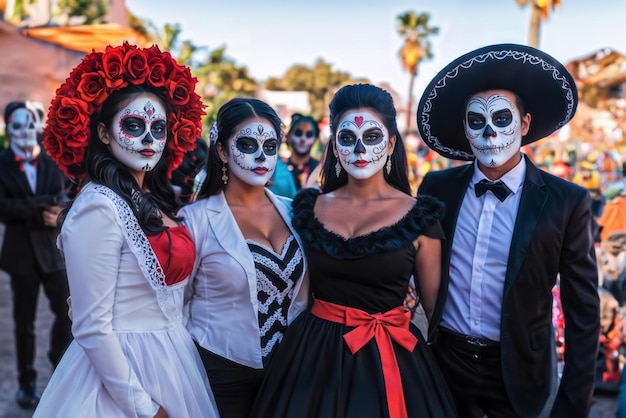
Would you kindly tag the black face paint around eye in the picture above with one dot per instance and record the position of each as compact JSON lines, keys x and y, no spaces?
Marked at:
{"x":133,"y":126}
{"x":346,"y":139}
{"x":298,"y":133}
{"x":475,"y":121}
{"x":246,"y":145}
{"x":502,"y":118}
{"x":270,"y":148}
{"x":158,"y":130}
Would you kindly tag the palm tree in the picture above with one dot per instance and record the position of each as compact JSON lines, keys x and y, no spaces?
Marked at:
{"x":540,"y":12}
{"x":415,"y":30}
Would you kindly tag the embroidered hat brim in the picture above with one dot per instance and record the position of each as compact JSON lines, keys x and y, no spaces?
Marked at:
{"x":545,"y":85}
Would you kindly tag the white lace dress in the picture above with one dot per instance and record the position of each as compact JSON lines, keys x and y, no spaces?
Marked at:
{"x":131,"y":351}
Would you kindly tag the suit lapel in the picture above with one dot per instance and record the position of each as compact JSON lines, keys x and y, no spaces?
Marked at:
{"x":532,"y":202}
{"x":43,"y":175}
{"x":456,"y":188}
{"x":17,"y":176}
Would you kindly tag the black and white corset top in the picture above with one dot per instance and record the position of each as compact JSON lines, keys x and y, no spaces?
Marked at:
{"x":276,"y":276}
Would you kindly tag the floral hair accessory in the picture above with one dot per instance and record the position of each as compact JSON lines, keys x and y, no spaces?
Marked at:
{"x":213,"y":133}
{"x":91,"y":82}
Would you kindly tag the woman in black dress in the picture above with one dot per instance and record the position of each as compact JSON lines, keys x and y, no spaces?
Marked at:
{"x":355,"y":353}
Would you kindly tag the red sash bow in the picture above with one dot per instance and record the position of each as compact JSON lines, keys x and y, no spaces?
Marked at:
{"x":385,"y":327}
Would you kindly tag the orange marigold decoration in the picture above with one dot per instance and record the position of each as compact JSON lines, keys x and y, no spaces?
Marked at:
{"x":90,"y":83}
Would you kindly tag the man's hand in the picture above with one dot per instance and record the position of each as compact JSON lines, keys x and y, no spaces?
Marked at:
{"x":51,"y":215}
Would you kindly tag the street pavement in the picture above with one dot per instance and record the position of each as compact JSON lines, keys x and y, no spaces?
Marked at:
{"x":603,"y":407}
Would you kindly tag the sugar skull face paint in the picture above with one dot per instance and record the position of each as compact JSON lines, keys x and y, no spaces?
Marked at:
{"x":302,"y":138}
{"x":140,"y":133}
{"x":494,"y":127}
{"x":254,"y":152}
{"x":362,"y":143}
{"x":22,"y":128}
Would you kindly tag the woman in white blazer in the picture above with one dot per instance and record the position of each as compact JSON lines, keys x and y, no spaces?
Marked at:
{"x":249,"y":278}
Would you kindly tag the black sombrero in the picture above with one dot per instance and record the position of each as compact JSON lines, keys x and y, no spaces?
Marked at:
{"x":544,"y":84}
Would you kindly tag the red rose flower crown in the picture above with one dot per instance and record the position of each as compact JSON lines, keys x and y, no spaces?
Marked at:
{"x":67,"y":132}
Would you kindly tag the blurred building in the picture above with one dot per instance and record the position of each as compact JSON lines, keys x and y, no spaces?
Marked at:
{"x":601,"y":82}
{"x":286,"y":103}
{"x":38,"y":58}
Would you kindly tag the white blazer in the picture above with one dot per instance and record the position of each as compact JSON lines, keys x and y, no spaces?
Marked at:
{"x":222,"y":294}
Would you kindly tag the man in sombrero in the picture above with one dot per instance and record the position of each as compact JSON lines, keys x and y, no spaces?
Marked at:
{"x":511,"y":230}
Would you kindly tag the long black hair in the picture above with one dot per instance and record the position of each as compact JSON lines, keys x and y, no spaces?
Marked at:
{"x":357,"y":96}
{"x":231,"y":115}
{"x":103,"y":168}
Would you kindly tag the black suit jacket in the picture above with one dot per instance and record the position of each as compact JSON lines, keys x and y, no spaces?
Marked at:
{"x":552,"y":236}
{"x":27,"y":241}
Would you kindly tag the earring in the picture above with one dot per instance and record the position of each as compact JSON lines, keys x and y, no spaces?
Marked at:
{"x":337,"y":169}
{"x":388,"y":165}
{"x":224,"y":173}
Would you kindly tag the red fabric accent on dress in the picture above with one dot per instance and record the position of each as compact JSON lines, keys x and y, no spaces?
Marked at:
{"x":176,"y":259}
{"x":383,"y":327}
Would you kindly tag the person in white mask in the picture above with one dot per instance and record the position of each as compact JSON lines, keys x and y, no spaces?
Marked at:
{"x":512,"y":230}
{"x":31,"y":191}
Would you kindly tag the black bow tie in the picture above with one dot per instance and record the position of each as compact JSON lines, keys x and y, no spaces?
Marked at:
{"x":498,"y":188}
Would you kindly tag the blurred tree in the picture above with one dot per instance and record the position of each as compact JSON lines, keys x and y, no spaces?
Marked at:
{"x":86,"y":12}
{"x":220,"y":78}
{"x":320,"y":81}
{"x":540,"y":12}
{"x":140,"y":25}
{"x":415,"y":30}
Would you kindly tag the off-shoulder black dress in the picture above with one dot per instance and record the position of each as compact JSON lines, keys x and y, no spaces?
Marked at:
{"x":314,"y":373}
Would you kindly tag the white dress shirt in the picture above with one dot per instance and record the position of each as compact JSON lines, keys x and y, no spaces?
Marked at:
{"x":479,"y":257}
{"x":30,"y":170}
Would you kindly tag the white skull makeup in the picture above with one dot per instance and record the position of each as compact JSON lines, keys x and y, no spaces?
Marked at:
{"x":302,"y":138}
{"x":22,"y":128}
{"x":140,"y":133}
{"x":493,"y":127}
{"x":362,"y":143}
{"x":254,"y":152}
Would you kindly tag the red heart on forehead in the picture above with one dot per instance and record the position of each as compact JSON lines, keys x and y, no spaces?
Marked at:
{"x":358,"y":120}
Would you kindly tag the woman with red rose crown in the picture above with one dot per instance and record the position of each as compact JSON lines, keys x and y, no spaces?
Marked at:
{"x":122,"y":121}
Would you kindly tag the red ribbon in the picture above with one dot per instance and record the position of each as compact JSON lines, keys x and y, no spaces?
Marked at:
{"x":385,"y":327}
{"x":21,"y":161}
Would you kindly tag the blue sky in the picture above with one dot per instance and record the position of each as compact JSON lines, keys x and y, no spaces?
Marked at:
{"x":360,"y":37}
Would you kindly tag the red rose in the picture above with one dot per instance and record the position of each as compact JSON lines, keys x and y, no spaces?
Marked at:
{"x":157,"y":72}
{"x":92,"y":88}
{"x":113,"y":66}
{"x":51,"y":144}
{"x":194,"y":110}
{"x":184,"y":134}
{"x":71,"y":156}
{"x":91,"y":62}
{"x":72,"y":115}
{"x":180,"y":90}
{"x":76,"y":170}
{"x":136,"y":66}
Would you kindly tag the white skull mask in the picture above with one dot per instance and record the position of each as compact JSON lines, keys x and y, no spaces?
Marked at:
{"x":493,"y":127}
{"x":22,"y":128}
